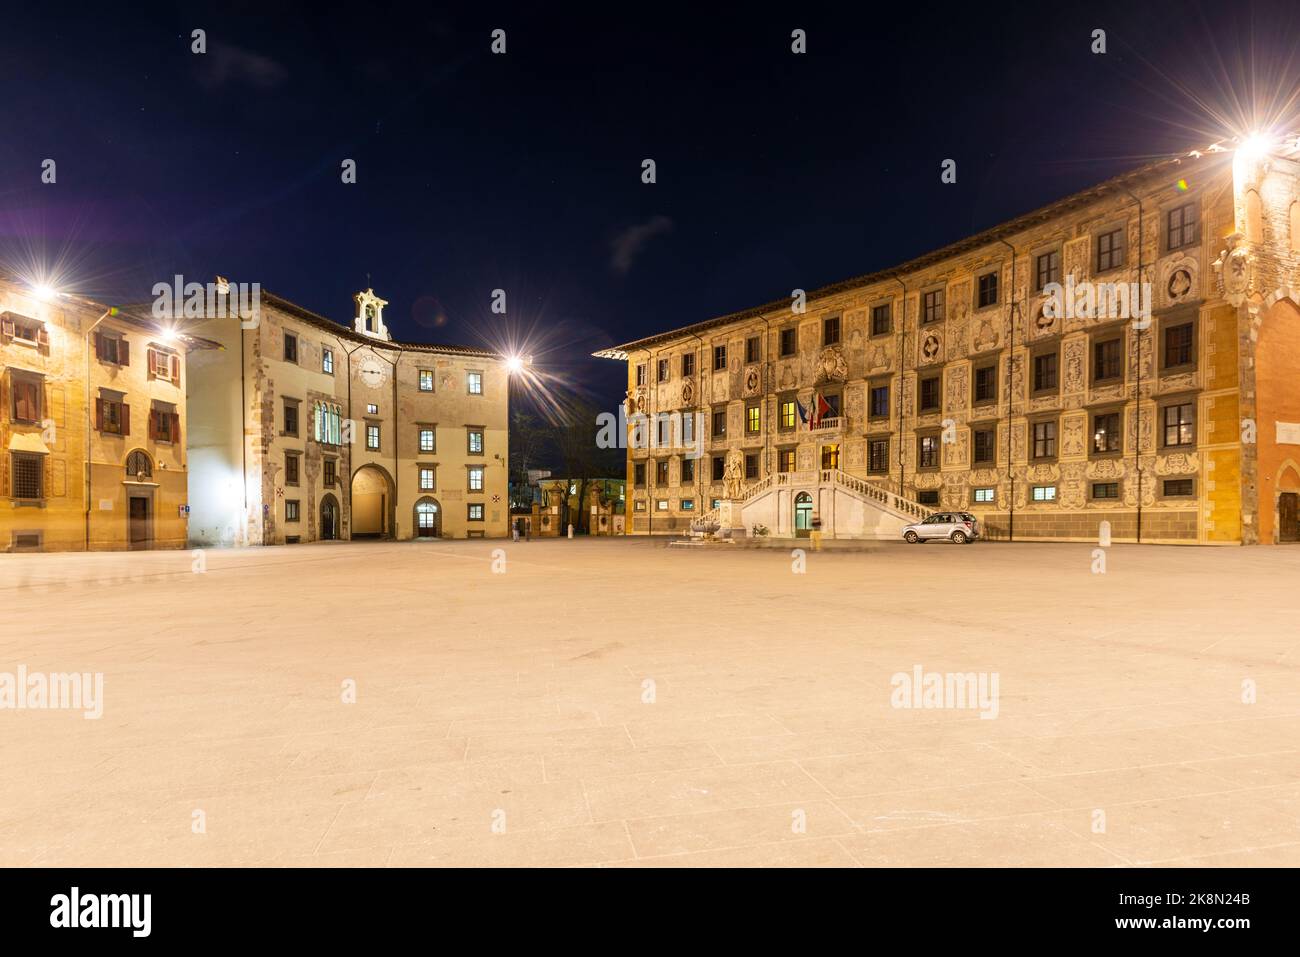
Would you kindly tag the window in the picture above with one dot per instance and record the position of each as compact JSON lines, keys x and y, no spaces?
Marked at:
{"x":638,"y":473}
{"x":112,"y":349}
{"x":830,"y":456}
{"x":640,"y":374}
{"x":831,"y":331}
{"x":987,"y":290}
{"x":1044,"y":493}
{"x":753,"y":349}
{"x":1107,"y":360}
{"x":878,"y":455}
{"x":139,"y":465}
{"x":688,"y":472}
{"x":789,"y":414}
{"x":789,"y":341}
{"x":719,"y":468}
{"x":983,"y":496}
{"x":661,"y":505}
{"x":928,"y":398}
{"x":112,"y":415}
{"x":1180,"y":227}
{"x":719,"y":358}
{"x":928,"y":497}
{"x":474,"y":439}
{"x":28,"y":475}
{"x":881,"y":320}
{"x":326,"y":424}
{"x":24,"y":329}
{"x":1105,"y":490}
{"x":1178,"y":345}
{"x":290,"y":417}
{"x":330,"y":473}
{"x":474,"y":383}
{"x":427,"y":478}
{"x":753,"y":418}
{"x":1180,"y":424}
{"x":476,"y":478}
{"x":1106,"y":436}
{"x":719,"y":423}
{"x":426,"y":380}
{"x":291,"y":469}
{"x":751,"y":466}
{"x":291,"y":510}
{"x":928,"y":451}
{"x":688,"y":504}
{"x":1047,"y":269}
{"x":372,"y":410}
{"x":637,"y":506}
{"x":879,"y":401}
{"x":985,"y":446}
{"x":475,"y":512}
{"x":688,"y":364}
{"x":290,"y":347}
{"x":832,"y":400}
{"x":662,"y":370}
{"x":661,"y":472}
{"x":164,"y":423}
{"x":327,"y":360}
{"x":27,"y":397}
{"x":372,"y":436}
{"x":1045,"y":372}
{"x":428,"y":440}
{"x":785,"y":460}
{"x":688,"y":427}
{"x":164,"y":365}
{"x":1044,"y":440}
{"x":663,"y":431}
{"x":1179,"y":488}
{"x":986,"y":383}
{"x":932,"y":306}
{"x":1110,"y":250}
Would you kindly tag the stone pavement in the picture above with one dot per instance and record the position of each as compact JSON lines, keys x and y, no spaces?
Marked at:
{"x":621,"y":703}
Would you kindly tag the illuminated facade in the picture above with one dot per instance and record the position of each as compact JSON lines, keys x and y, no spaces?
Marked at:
{"x":305,"y":430}
{"x":954,"y":382}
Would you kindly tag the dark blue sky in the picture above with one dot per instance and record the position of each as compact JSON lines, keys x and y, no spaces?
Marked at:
{"x":522,"y":171}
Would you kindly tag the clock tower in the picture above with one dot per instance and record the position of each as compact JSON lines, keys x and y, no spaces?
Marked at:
{"x":370,"y":316}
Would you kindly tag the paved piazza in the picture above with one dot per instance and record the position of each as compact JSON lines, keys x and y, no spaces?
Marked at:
{"x":615,"y":702}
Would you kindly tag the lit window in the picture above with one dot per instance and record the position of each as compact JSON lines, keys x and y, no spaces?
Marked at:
{"x":426,"y":380}
{"x":327,"y":360}
{"x":476,"y":479}
{"x":475,"y":441}
{"x":426,"y":479}
{"x":1044,"y":493}
{"x":983,"y":495}
{"x":372,"y":437}
{"x":475,"y":513}
{"x":475,"y":383}
{"x":427,"y":440}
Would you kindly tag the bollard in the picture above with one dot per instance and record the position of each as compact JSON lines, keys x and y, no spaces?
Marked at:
{"x":570,"y":529}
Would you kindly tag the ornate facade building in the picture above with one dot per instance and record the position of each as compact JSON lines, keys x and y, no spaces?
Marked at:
{"x":93,"y":425}
{"x":981,"y":377}
{"x":305,"y":429}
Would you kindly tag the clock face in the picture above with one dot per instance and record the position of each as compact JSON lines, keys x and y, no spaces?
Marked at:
{"x":372,"y":372}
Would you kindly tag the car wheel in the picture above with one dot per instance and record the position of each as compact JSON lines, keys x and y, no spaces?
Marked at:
{"x":911,"y":538}
{"x":959,"y":538}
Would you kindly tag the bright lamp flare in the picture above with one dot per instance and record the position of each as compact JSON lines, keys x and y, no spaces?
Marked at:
{"x":1255,"y":145}
{"x":514,"y":364}
{"x":44,"y":292}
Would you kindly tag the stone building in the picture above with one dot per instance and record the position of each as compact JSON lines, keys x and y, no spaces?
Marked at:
{"x":93,"y":426}
{"x":980,"y":376}
{"x":305,"y":429}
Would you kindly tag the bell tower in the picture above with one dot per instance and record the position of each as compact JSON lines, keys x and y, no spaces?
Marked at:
{"x":369,"y":320}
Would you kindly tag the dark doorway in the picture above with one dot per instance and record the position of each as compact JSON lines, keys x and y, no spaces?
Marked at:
{"x":1288,"y":517}
{"x":139,"y":531}
{"x":329,"y":519}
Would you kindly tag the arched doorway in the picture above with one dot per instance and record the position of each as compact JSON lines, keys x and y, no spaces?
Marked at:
{"x":428,"y":518}
{"x":803,"y":510}
{"x":329,"y":519}
{"x":139,"y":499}
{"x":372,"y":503}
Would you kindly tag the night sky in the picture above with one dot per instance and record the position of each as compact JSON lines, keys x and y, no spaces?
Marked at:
{"x":523,"y":171}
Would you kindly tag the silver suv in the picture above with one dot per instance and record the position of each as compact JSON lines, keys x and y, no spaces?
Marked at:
{"x":957,"y":527}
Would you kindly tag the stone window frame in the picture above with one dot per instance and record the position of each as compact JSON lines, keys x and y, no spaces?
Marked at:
{"x":470,"y":432}
{"x":638,"y":474}
{"x":329,"y":471}
{"x":792,"y":399}
{"x":756,"y":460}
{"x":1100,"y":335}
{"x":1046,"y":500}
{"x":475,"y":512}
{"x":1187,"y":477}
{"x":980,"y":274}
{"x":326,"y":360}
{"x":752,"y":406}
{"x":1116,"y":498}
{"x":753,"y":349}
{"x":35,"y":379}
{"x":640,"y":373}
{"x":1053,"y":349}
{"x":663,"y":369}
{"x":482,"y":479}
{"x":286,"y":404}
{"x":717,"y":468}
{"x":987,"y":425}
{"x":792,"y":329}
{"x":663,"y":473}
{"x":888,"y":306}
{"x":1174,"y":320}
{"x":1189,"y":200}
{"x":687,"y":464}
{"x":38,"y":462}
{"x":294,"y":505}
{"x":781,"y":452}
{"x":1170,"y":401}
{"x":974,"y":495}
{"x":1054,"y":419}
{"x":978,"y":365}
{"x":296,"y":458}
{"x":920,"y":392}
{"x":880,"y":382}
{"x":714,"y":412}
{"x":1116,"y":226}
{"x":925,"y":304}
{"x":290,"y":337}
{"x":377,"y":425}
{"x":420,"y":429}
{"x":470,"y":375}
{"x":1115,"y":409}
{"x":719,"y":357}
{"x":884,"y":469}
{"x":420,"y":379}
{"x":937,"y":436}
{"x":688,"y":364}
{"x":838,"y":319}
{"x":1037,"y":254}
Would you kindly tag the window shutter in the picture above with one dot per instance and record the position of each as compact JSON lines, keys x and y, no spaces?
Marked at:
{"x":175,"y":426}
{"x":99,"y":414}
{"x":99,"y":346}
{"x":152,"y":362}
{"x":43,"y":337}
{"x":126,"y":419}
{"x":7,"y":327}
{"x":176,"y":369}
{"x":153,"y":423}
{"x":123,"y":352}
